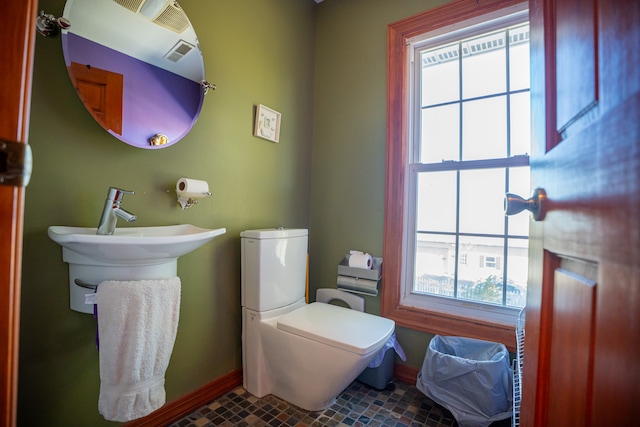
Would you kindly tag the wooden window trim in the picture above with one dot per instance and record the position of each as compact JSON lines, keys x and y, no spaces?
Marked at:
{"x":398,"y":36}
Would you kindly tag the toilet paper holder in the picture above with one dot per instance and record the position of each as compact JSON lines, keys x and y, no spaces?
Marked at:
{"x":187,"y":202}
{"x":189,"y":191}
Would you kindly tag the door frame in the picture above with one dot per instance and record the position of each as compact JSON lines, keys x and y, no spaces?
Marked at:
{"x":16,"y":70}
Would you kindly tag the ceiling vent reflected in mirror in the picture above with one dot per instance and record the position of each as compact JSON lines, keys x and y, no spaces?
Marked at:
{"x":179,"y":51}
{"x":166,"y":13}
{"x":132,"y":5}
{"x":173,"y":18}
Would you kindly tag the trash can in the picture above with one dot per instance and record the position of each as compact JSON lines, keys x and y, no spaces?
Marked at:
{"x":469,"y":377}
{"x":379,"y":376}
{"x":379,"y":372}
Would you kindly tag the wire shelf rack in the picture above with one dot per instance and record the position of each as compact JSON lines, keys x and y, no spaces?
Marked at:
{"x":517,"y":369}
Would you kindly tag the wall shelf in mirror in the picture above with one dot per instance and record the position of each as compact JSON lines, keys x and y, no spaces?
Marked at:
{"x":137,"y":67}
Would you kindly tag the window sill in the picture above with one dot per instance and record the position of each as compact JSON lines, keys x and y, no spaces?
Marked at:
{"x":434,"y":322}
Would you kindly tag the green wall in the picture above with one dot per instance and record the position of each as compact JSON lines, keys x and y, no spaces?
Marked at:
{"x":349,"y":137}
{"x":256,"y":52}
{"x":324,"y":68}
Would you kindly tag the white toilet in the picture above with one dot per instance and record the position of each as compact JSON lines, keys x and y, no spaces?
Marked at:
{"x":303,"y":353}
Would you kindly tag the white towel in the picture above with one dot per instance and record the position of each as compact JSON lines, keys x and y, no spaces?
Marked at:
{"x":137,"y":325}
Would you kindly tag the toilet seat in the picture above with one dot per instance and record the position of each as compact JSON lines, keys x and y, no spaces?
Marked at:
{"x":339,"y":327}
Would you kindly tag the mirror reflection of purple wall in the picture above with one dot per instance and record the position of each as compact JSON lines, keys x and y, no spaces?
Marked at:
{"x":154,"y":101}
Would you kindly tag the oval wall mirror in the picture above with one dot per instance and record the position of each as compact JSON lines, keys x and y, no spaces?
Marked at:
{"x":137,"y":67}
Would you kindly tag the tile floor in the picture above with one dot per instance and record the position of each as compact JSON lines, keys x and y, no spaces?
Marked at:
{"x":400,"y":405}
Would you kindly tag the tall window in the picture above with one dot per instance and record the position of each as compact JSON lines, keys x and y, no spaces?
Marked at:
{"x":464,"y":143}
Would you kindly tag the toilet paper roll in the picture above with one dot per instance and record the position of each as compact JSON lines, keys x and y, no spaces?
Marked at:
{"x":192,"y":188}
{"x":361,"y":260}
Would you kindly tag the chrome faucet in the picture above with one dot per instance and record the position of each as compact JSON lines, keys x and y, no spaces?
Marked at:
{"x":112,"y":211}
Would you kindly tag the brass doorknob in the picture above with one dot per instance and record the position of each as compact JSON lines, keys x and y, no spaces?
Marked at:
{"x":536,"y":204}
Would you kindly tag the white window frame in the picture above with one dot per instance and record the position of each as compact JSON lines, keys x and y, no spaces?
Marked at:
{"x":464,"y":308}
{"x":458,"y":307}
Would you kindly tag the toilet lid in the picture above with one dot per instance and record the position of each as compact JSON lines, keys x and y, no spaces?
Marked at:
{"x":340,"y":327}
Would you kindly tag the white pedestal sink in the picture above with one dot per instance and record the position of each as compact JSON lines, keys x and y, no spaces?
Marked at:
{"x":132,"y":253}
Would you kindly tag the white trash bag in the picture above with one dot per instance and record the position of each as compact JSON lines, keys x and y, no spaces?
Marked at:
{"x":471,"y":378}
{"x":392,"y":342}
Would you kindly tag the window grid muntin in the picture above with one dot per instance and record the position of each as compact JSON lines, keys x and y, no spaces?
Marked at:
{"x":506,"y":237}
{"x":460,"y":164}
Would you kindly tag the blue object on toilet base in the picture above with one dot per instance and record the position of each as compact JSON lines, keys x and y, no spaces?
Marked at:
{"x":380,"y":377}
{"x":379,"y":373}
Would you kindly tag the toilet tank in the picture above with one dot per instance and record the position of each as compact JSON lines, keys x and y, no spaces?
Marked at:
{"x":274,"y":267}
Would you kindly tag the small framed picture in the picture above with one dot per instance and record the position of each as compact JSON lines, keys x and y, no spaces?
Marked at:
{"x":267,"y":123}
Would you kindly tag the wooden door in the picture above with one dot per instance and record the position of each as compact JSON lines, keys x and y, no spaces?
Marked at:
{"x":16,"y":65}
{"x":101,"y":92}
{"x":582,"y":334}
